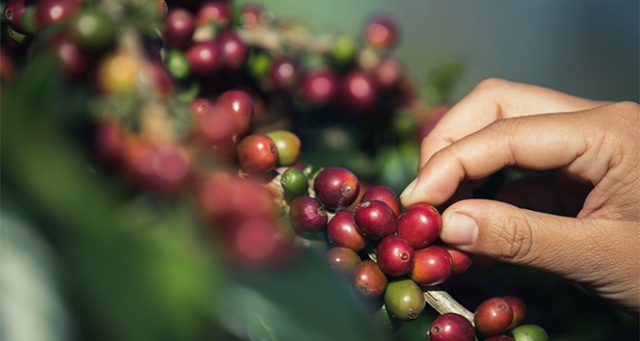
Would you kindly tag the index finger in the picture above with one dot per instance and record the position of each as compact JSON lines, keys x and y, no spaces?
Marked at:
{"x":492,"y":100}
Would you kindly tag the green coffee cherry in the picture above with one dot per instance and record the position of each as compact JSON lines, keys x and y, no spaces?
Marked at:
{"x":177,"y":64}
{"x":529,"y":332}
{"x":288,"y":145}
{"x":294,"y":182}
{"x":93,"y":29}
{"x":344,"y":50}
{"x":404,"y":299}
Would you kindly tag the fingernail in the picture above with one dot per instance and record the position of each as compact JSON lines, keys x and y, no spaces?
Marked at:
{"x":407,"y":191}
{"x":459,"y":229}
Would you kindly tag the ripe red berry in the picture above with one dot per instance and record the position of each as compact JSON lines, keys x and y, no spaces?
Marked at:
{"x":369,"y":280}
{"x":519,"y":311}
{"x":342,"y":231}
{"x":319,"y":87}
{"x":234,"y":50}
{"x":381,"y":32}
{"x":205,"y":58}
{"x":375,"y":219}
{"x":451,"y":327}
{"x":55,"y":11}
{"x":420,"y":224}
{"x":388,"y":73}
{"x":13,"y":14}
{"x":431,"y":265}
{"x":383,"y":193}
{"x":256,"y":243}
{"x":336,"y":188}
{"x":493,"y":316}
{"x":283,"y":72}
{"x":215,"y":129}
{"x":395,"y":255}
{"x":257,"y":153}
{"x":359,"y":91}
{"x":460,"y":260}
{"x":178,"y":28}
{"x":240,"y":105}
{"x":214,"y":12}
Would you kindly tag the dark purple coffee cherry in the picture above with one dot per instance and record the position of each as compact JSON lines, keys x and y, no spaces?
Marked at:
{"x":342,"y":259}
{"x":336,"y":188}
{"x":493,"y":316}
{"x":519,"y":311}
{"x":307,"y":216}
{"x":319,"y":87}
{"x":240,"y":105}
{"x":342,"y":231}
{"x":395,"y":255}
{"x":420,"y":224}
{"x":234,"y":50}
{"x":369,"y":280}
{"x":451,"y":327}
{"x":283,"y":72}
{"x":359,"y":91}
{"x":375,"y":219}
{"x":13,"y":14}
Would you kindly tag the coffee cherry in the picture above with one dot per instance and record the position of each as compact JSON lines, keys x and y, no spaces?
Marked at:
{"x":178,"y":28}
{"x":13,"y":14}
{"x":307,"y":216}
{"x":177,"y":64}
{"x":205,"y":58}
{"x":519,"y":311}
{"x":256,"y":243}
{"x":431,"y":265}
{"x":493,"y":316}
{"x":283,"y":72}
{"x":251,"y":15}
{"x":288,"y":145}
{"x":369,"y":280}
{"x":342,"y":259}
{"x":383,"y":193}
{"x":240,"y":105}
{"x":294,"y":182}
{"x":420,"y":224}
{"x":119,"y":72}
{"x":359,"y":91}
{"x":395,"y":255}
{"x":336,"y":188}
{"x":404,"y":299}
{"x":50,"y":12}
{"x":215,"y":128}
{"x":319,"y":87}
{"x":344,"y":50}
{"x":451,"y":327}
{"x":214,"y":12}
{"x":529,"y":332}
{"x":375,"y":219}
{"x":234,"y":50}
{"x":342,"y":231}
{"x":73,"y":60}
{"x":380,"y":32}
{"x":388,"y":73}
{"x":460,"y":260}
{"x":257,"y":153}
{"x":109,"y":141}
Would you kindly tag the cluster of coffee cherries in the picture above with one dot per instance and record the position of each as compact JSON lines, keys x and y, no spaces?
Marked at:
{"x":184,"y":112}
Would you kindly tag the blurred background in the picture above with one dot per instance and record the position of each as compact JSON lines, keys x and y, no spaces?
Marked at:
{"x":86,"y":257}
{"x":587,"y":48}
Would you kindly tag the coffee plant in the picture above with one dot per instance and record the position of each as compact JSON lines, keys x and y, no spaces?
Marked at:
{"x":232,"y":173}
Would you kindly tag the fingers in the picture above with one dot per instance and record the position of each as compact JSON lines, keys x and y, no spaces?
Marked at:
{"x":575,"y":249}
{"x":495,"y":99}
{"x":534,"y":142}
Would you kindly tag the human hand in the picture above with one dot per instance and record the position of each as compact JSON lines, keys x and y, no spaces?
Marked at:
{"x":500,"y":124}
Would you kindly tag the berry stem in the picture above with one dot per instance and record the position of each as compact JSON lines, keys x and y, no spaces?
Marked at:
{"x":443,"y":302}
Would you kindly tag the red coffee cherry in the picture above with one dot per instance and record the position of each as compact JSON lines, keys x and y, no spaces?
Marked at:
{"x":214,"y":12}
{"x":205,"y":58}
{"x":257,"y":153}
{"x":460,"y":260}
{"x":493,"y":316}
{"x":420,"y":224}
{"x":359,"y":91}
{"x":383,"y":193}
{"x":500,"y":338}
{"x":319,"y":87}
{"x":283,"y":72}
{"x":336,"y":188}
{"x":215,"y":129}
{"x":451,"y":327}
{"x":431,"y":265}
{"x":375,"y":219}
{"x":342,"y":231}
{"x":369,"y":280}
{"x":519,"y":311}
{"x":13,"y":14}
{"x":234,"y":50}
{"x":306,"y":215}
{"x":381,"y":32}
{"x":395,"y":255}
{"x":256,"y":243}
{"x":240,"y":105}
{"x":50,"y":12}
{"x":178,"y":28}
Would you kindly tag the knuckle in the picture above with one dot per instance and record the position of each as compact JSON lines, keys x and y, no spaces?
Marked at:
{"x":491,"y":84}
{"x":515,"y":239}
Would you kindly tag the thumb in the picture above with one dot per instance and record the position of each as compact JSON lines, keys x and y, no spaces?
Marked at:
{"x":510,"y":234}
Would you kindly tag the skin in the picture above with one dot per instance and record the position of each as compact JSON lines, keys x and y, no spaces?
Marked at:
{"x":577,"y":216}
